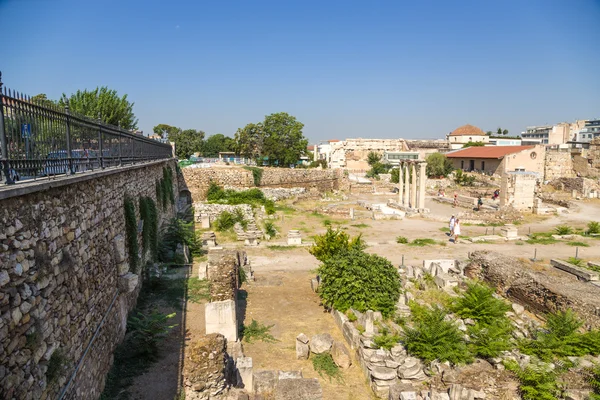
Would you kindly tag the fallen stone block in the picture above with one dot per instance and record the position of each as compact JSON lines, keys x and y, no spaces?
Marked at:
{"x":302,"y":348}
{"x":445,"y":281}
{"x":290,"y":375}
{"x":245,"y":373}
{"x":128,"y":282}
{"x":582,"y":273}
{"x":321,"y":343}
{"x":340,"y":355}
{"x":264,"y":382}
{"x":298,"y":389}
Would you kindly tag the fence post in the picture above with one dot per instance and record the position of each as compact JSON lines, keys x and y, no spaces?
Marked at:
{"x":120,"y":150}
{"x":133,"y":150}
{"x":69,"y":154}
{"x":100,"y":144}
{"x":4,"y":140}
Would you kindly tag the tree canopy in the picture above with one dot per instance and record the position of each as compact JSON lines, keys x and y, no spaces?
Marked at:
{"x":279,"y":137}
{"x":217,"y":143}
{"x":103,"y":103}
{"x":438,"y":165}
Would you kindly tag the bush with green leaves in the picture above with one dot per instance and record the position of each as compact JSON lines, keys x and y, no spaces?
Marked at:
{"x":226,"y":220}
{"x":323,"y":363}
{"x":386,"y":340}
{"x":355,"y":279}
{"x":563,"y":230}
{"x":593,"y":379}
{"x":438,"y":166}
{"x":537,"y":381}
{"x":177,"y":232}
{"x":562,"y":337}
{"x":146,"y":330}
{"x":257,"y":331}
{"x":270,"y":229}
{"x":593,"y":228}
{"x":401,"y":240}
{"x":332,"y":242}
{"x":395,"y":178}
{"x":460,"y":178}
{"x":478,"y":303}
{"x":432,"y":337}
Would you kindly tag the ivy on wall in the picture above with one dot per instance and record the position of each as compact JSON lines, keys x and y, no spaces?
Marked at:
{"x":131,"y":233}
{"x":256,"y":174}
{"x":149,"y":214}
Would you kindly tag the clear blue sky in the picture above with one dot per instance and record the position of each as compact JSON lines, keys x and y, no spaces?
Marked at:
{"x":412,"y":69}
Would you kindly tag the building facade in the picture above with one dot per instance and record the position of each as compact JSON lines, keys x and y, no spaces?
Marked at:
{"x":589,"y":132}
{"x":465,"y":134}
{"x":498,"y":160}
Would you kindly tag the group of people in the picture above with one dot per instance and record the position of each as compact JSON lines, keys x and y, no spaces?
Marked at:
{"x":454,"y":228}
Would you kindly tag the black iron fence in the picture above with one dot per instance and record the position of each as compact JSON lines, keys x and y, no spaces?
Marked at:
{"x":41,"y":139}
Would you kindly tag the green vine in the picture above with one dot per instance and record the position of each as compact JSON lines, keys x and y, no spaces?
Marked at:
{"x":256,"y":174}
{"x":149,"y":214}
{"x":167,"y":183}
{"x":159,"y":192}
{"x":131,"y":232}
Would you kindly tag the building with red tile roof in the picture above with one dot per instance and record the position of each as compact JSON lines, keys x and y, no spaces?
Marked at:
{"x":499,"y":159}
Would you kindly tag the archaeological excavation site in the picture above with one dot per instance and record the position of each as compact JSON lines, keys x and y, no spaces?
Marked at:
{"x":262,"y":283}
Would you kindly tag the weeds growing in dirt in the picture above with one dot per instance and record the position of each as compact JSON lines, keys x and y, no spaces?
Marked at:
{"x":578,"y":244}
{"x":401,"y":240}
{"x":422,"y":242}
{"x":257,"y":331}
{"x":324,"y":365}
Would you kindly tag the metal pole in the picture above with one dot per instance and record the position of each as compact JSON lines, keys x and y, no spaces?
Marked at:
{"x":120,"y":150}
{"x":4,"y":140}
{"x":69,"y":155}
{"x":100,"y":145}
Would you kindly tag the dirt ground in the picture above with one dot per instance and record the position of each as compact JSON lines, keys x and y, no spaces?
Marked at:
{"x":281,"y":295}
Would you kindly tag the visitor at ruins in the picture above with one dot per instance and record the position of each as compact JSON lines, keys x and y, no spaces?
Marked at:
{"x":452,"y":222}
{"x":456,"y":230}
{"x":496,"y":194}
{"x":455,"y":200}
{"x":441,"y":193}
{"x":479,"y":203}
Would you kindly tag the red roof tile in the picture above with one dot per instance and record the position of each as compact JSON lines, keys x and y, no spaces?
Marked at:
{"x":467,"y":130}
{"x":487,"y":151}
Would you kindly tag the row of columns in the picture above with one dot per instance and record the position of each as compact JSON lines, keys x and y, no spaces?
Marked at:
{"x":411,"y":193}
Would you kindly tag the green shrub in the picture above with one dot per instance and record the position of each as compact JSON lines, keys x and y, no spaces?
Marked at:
{"x":149,"y":214}
{"x":386,"y":340}
{"x":401,"y":240}
{"x":270,"y":229}
{"x":323,"y":363}
{"x":576,"y":261}
{"x":488,"y":341}
{"x":536,"y":381}
{"x":422,"y":242}
{"x":177,"y":232}
{"x":478,"y":303}
{"x":438,"y":166}
{"x":432,"y":337}
{"x":463,"y":179}
{"x":269,"y":207}
{"x":563,"y":230}
{"x":257,"y":331}
{"x":147,"y":330}
{"x":333,"y":242}
{"x":593,"y":228}
{"x":226,"y":221}
{"x":395,"y":175}
{"x":593,"y":379}
{"x":541,"y":238}
{"x":355,"y":279}
{"x":351,"y":316}
{"x":131,"y":233}
{"x":256,"y":174}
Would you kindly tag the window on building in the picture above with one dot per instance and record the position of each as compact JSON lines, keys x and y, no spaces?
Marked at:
{"x":462,"y":164}
{"x":483,"y":165}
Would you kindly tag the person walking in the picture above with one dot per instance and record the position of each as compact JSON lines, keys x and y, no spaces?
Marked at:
{"x":455,"y":200}
{"x":452,"y":222}
{"x":456,"y":230}
{"x":479,"y":203}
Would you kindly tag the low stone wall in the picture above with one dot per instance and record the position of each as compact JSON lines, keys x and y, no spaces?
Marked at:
{"x":214,"y":210}
{"x":197,"y":180}
{"x":558,"y":164}
{"x":65,"y":282}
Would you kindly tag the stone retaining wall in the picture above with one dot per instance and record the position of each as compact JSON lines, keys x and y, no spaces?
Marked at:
{"x":197,"y":180}
{"x":63,"y":274}
{"x":558,"y":164}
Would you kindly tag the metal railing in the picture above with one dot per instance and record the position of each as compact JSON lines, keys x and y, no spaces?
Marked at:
{"x":40,"y":139}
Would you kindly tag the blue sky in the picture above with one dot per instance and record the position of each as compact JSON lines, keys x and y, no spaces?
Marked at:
{"x":388,"y":69}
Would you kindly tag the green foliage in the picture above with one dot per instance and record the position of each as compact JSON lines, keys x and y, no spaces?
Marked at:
{"x":270,"y":229}
{"x":401,"y":240}
{"x":257,"y":331}
{"x":360,"y":226}
{"x":198,"y":290}
{"x":254,"y":196}
{"x":438,"y":165}
{"x":351,"y":316}
{"x":323,"y":363}
{"x":177,"y":232}
{"x":149,"y":215}
{"x":376,"y":169}
{"x":159,"y":192}
{"x":269,"y":207}
{"x":147,"y":330}
{"x":102,"y":103}
{"x":541,"y":238}
{"x":563,"y":230}
{"x":227,"y":220}
{"x":576,"y":261}
{"x":536,"y":381}
{"x":562,"y":338}
{"x":168,"y":184}
{"x":473,"y":144}
{"x":242,"y":277}
{"x":256,"y":174}
{"x":578,"y":244}
{"x":395,"y":178}
{"x":217,"y":143}
{"x":386,"y":340}
{"x":319,"y":163}
{"x":334,"y":242}
{"x":131,"y":233}
{"x":373,"y":158}
{"x":422,"y":242}
{"x":432,"y":337}
{"x":593,"y":379}
{"x":593,"y":228}
{"x":488,"y":341}
{"x":478,"y":303}
{"x":354,"y":279}
{"x":460,"y":178}
{"x":56,"y":365}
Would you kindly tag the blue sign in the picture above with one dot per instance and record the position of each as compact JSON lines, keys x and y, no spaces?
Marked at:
{"x":26,"y":131}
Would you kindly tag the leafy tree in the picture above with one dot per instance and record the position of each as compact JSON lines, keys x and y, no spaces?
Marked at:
{"x":216,"y":144}
{"x":249,"y":141}
{"x":505,"y":132}
{"x":499,"y":131}
{"x":104,"y":103}
{"x":355,"y":279}
{"x":376,"y":169}
{"x":43,"y":100}
{"x":395,"y":178}
{"x":167,"y":131}
{"x":438,"y":165}
{"x":489,"y":133}
{"x":188,"y":142}
{"x":373,"y":158}
{"x":283,"y":138}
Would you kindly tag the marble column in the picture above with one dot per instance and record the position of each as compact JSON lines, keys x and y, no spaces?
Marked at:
{"x":406,"y":185}
{"x":400,"y":185}
{"x":413,"y":187}
{"x":422,"y":178}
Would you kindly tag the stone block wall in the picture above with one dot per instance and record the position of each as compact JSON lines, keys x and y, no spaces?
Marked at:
{"x":197,"y":180}
{"x":61,"y":267}
{"x":558,"y":164}
{"x":518,"y":190}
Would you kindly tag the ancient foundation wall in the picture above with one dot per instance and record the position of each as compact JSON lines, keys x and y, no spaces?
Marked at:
{"x":197,"y":180}
{"x":518,"y":190}
{"x":558,"y":164}
{"x":65,"y":282}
